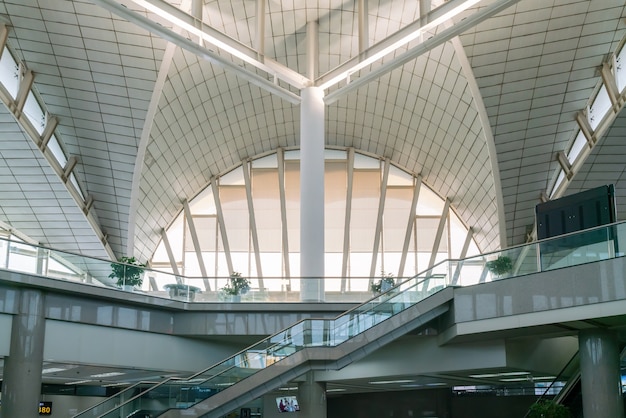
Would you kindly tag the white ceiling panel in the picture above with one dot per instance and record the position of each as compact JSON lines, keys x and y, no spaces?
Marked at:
{"x":535,"y":65}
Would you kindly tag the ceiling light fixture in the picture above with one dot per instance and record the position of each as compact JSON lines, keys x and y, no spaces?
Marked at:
{"x":53,"y":370}
{"x":195,"y":26}
{"x":390,"y":382}
{"x":454,"y":11}
{"x":78,"y":382}
{"x":109,"y":374}
{"x":503,"y":374}
{"x":112,"y":385}
{"x":528,"y":378}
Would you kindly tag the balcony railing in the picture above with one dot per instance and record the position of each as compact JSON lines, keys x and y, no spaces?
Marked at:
{"x":583,"y":247}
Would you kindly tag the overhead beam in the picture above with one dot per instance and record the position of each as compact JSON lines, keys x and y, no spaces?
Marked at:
{"x":441,"y":37}
{"x":202,"y":52}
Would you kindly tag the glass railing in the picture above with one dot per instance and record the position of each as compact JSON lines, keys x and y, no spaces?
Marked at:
{"x":177,"y":393}
{"x":574,"y":249}
{"x":583,"y":247}
{"x":60,"y":265}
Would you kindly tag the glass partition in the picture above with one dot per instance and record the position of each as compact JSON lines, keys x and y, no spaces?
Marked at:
{"x":583,"y":247}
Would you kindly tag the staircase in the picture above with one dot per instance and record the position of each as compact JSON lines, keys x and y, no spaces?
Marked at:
{"x":307,"y":345}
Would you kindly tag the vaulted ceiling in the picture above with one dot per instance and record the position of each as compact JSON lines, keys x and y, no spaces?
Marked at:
{"x":479,"y":105}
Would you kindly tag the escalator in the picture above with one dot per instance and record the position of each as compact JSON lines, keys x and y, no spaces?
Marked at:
{"x":308,"y":345}
{"x":570,"y":395}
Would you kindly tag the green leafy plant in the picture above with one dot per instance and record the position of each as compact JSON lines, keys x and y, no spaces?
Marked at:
{"x":128,"y":271}
{"x":237,"y":285}
{"x":548,"y":409}
{"x":500,"y":265}
{"x":386,"y":282}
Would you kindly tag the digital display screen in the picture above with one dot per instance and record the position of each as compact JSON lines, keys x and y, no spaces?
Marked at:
{"x":45,"y":408}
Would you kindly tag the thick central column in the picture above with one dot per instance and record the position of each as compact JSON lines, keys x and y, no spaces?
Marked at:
{"x":600,"y":374}
{"x":21,"y":387}
{"x":312,"y":398}
{"x":312,"y":195}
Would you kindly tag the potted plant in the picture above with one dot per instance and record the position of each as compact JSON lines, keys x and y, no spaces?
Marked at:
{"x":385,"y":283}
{"x":500,"y":266}
{"x":128,"y":271}
{"x":548,"y":409}
{"x":182,"y":291}
{"x":237,"y":285}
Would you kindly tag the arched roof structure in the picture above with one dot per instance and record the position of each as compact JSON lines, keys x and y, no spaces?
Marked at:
{"x":478,"y":97}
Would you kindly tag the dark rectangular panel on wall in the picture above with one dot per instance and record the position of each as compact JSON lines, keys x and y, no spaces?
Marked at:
{"x":576,"y":212}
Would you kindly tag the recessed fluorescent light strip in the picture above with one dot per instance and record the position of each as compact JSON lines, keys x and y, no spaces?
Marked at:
{"x":78,"y":382}
{"x":401,"y":42}
{"x":109,"y":374}
{"x":390,"y":382}
{"x":185,"y":21}
{"x":504,"y":374}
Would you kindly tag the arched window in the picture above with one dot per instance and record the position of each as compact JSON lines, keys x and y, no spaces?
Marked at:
{"x":372,"y":223}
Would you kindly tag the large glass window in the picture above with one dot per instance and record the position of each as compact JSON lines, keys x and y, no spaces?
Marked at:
{"x":351,"y":248}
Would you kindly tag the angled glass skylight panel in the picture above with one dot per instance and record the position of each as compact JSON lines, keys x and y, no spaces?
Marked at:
{"x":9,"y":73}
{"x":557,"y":184}
{"x":75,"y":184}
{"x":600,"y":106}
{"x":579,"y":144}
{"x":57,"y":152}
{"x":620,"y":69}
{"x":35,"y":113}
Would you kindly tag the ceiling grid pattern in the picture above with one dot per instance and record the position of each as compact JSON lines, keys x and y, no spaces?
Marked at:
{"x":535,"y":64}
{"x":100,"y":89}
{"x":533,"y":81}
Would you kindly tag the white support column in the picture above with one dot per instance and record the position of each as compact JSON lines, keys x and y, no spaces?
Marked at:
{"x":170,"y":255}
{"x":312,"y":195}
{"x":442,"y":223}
{"x":378,"y":230}
{"x":221,"y":225}
{"x":466,"y":244}
{"x":252,"y":219}
{"x":280,"y":156}
{"x":312,"y":45}
{"x":260,"y":29}
{"x":346,"y":227}
{"x":409,"y":225}
{"x":196,"y":12}
{"x":196,"y":245}
{"x":600,"y":378}
{"x":363,"y":25}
